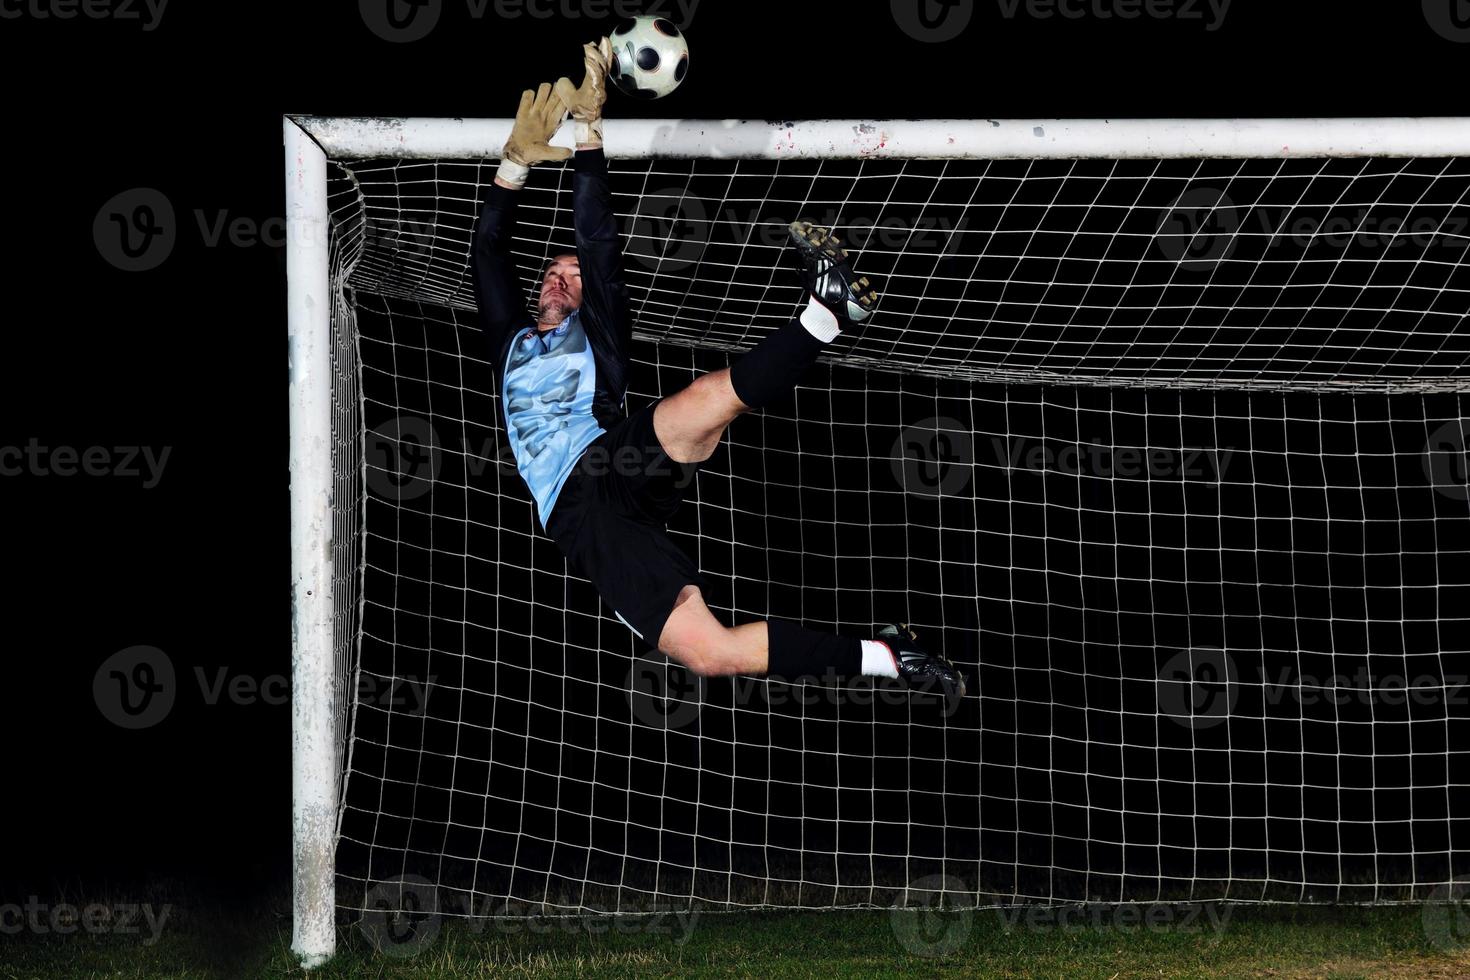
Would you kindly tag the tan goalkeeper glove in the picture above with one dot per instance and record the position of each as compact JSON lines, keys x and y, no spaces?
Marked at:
{"x":539,"y":117}
{"x":586,"y":102}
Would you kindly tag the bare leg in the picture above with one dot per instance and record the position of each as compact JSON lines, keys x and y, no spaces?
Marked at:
{"x":693,"y":637}
{"x":690,"y":423}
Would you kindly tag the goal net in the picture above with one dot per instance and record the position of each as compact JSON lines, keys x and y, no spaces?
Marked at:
{"x":1158,"y":434}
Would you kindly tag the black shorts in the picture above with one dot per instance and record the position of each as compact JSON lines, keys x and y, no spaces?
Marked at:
{"x":609,"y":522}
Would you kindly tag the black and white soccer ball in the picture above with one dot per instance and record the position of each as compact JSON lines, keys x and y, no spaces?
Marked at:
{"x":650,"y":57}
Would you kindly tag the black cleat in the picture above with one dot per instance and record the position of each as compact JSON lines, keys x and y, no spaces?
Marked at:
{"x":923,"y":672}
{"x":826,"y":274}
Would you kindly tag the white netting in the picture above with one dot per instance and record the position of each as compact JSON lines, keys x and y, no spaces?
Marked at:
{"x":1168,"y":456}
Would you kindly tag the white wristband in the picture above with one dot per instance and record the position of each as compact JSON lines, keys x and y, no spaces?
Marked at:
{"x":589,"y":133}
{"x":513,"y":173}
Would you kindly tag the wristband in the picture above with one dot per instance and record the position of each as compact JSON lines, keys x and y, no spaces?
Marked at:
{"x":513,"y":173}
{"x":589,"y":133}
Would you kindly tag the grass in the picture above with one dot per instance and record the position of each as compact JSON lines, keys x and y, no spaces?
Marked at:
{"x":1221,"y":941}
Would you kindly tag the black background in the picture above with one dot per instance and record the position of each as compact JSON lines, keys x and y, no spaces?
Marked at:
{"x":190,"y":355}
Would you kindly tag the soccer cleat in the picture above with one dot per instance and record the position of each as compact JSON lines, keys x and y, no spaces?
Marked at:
{"x":827,"y":275}
{"x":924,"y":672}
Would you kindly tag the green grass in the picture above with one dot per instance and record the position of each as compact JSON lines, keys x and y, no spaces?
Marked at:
{"x":1278,"y":941}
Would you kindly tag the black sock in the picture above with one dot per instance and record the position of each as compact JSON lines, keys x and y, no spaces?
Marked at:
{"x":799,"y":654}
{"x":771,"y":369}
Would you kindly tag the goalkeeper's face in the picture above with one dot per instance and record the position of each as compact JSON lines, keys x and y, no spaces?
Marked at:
{"x":561,"y":289}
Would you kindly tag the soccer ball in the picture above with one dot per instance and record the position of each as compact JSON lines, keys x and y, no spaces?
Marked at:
{"x":650,"y":57}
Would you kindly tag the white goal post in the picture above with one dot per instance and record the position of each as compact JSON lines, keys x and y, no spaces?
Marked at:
{"x":326,"y":468}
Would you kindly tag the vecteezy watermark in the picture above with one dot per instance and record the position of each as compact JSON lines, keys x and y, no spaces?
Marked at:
{"x":933,"y":458}
{"x":1200,"y":688}
{"x":937,"y":457}
{"x":937,"y":21}
{"x":1187,"y":918}
{"x":1098,"y":459}
{"x":147,"y":13}
{"x":1198,"y":229}
{"x":405,"y":21}
{"x":512,"y":918}
{"x":1210,"y":13}
{"x":668,"y":231}
{"x":401,"y":916}
{"x":1446,"y":464}
{"x":663,"y":695}
{"x":932,"y":21}
{"x":137,"y":688}
{"x":1446,"y":915}
{"x":405,"y":458}
{"x":1449,"y":18}
{"x":668,"y":697}
{"x":138,"y":229}
{"x":1204,"y":226}
{"x":671,"y":228}
{"x":95,"y":919}
{"x":932,"y":919}
{"x":404,"y":915}
{"x":142,"y":463}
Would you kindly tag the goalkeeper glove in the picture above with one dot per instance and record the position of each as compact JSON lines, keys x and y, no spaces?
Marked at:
{"x":539,"y":117}
{"x":586,"y":102}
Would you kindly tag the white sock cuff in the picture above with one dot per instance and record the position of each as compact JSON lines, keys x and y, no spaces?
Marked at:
{"x":878,"y":660}
{"x":820,"y":321}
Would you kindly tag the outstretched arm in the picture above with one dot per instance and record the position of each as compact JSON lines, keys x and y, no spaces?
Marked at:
{"x":599,"y":248}
{"x":502,"y":305}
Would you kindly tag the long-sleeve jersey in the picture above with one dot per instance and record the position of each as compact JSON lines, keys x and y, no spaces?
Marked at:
{"x":559,"y":388}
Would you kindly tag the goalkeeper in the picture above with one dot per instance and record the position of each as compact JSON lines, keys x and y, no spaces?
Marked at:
{"x":605,"y":483}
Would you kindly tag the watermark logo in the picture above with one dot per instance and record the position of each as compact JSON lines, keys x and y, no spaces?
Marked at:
{"x":932,"y":21}
{"x":1449,"y":18}
{"x":402,"y":916}
{"x":933,"y":458}
{"x":1198,"y":687}
{"x":135,"y":688}
{"x":1446,"y":915}
{"x":135,"y":230}
{"x":662,"y":695}
{"x":402,"y":243}
{"x":406,"y":21}
{"x":403,"y":458}
{"x":1204,"y":226}
{"x":401,"y":21}
{"x":668,"y":231}
{"x":1445,"y":461}
{"x":1198,"y":230}
{"x":929,"y":923}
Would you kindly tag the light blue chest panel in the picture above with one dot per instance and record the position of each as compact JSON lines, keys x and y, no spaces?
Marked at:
{"x":550,"y":381}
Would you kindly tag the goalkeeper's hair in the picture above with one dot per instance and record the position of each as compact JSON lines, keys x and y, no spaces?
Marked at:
{"x":557,"y":253}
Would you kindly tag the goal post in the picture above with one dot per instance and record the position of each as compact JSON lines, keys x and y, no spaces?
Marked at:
{"x":316,"y":738}
{"x":939,"y":139}
{"x":1103,"y":286}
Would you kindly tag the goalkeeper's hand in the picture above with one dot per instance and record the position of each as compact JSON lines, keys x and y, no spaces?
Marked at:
{"x":538,"y":118}
{"x":586,"y":102}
